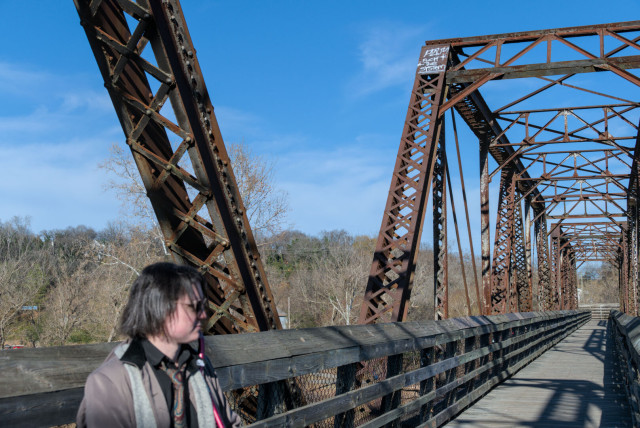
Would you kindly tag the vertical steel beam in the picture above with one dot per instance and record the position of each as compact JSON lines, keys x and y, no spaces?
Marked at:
{"x":556,"y":270}
{"x":634,"y":276}
{"x":527,"y":250}
{"x":573,"y":275}
{"x":391,"y":275}
{"x":440,"y":271}
{"x":624,"y":266}
{"x":519,"y":262}
{"x":502,"y":293}
{"x":545,"y":287}
{"x":485,"y":233}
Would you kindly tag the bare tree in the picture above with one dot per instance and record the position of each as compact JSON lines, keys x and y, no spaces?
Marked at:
{"x":128,"y":186}
{"x":330,"y":286}
{"x":266,"y":206}
{"x":21,"y":272}
{"x":70,"y":302}
{"x":121,"y":255}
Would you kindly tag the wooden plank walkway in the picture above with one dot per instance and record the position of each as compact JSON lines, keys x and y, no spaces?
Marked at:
{"x":574,"y":384}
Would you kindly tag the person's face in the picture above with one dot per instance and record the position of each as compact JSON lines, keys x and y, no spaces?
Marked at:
{"x":184,"y":325}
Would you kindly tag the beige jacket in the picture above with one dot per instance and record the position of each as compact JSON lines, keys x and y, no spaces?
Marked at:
{"x":108,"y":398}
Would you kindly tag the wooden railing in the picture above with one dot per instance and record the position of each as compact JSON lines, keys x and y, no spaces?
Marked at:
{"x":600,"y":311}
{"x":626,"y":331}
{"x":412,"y":373}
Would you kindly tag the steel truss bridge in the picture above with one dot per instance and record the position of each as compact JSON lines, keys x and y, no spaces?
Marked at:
{"x":555,"y":114}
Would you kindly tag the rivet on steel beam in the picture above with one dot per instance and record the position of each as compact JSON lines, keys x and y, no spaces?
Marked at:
{"x":168,"y":167}
{"x":190,"y":53}
{"x":148,"y":112}
{"x":169,"y":81}
{"x":187,"y":220}
{"x":146,"y":16}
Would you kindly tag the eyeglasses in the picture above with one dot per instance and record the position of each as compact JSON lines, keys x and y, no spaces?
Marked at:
{"x":197,"y":307}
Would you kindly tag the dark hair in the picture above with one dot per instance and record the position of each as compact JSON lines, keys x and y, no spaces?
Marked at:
{"x":153,"y":298}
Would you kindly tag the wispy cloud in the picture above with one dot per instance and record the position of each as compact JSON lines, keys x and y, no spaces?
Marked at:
{"x":234,"y":122}
{"x":337,"y":188}
{"x":388,"y":55}
{"x":17,"y":79}
{"x":56,"y":185}
{"x":53,"y":133}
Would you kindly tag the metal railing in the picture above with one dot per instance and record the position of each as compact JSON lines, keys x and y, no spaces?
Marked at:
{"x":404,"y":374}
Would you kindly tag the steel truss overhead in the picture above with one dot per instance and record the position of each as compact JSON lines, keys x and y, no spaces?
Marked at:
{"x":564,"y":144}
{"x":151,"y":72}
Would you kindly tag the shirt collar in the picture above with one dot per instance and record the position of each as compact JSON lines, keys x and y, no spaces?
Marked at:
{"x":186,"y":355}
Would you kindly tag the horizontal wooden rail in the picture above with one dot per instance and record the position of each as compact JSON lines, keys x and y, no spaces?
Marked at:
{"x":421,"y":373}
{"x":600,"y":311}
{"x":626,"y":331}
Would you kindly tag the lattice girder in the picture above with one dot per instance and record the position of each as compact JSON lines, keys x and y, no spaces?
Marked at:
{"x":198,"y":206}
{"x":391,"y":276}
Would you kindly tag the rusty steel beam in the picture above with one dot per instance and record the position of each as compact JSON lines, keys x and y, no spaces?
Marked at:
{"x":503,"y":292}
{"x":586,"y":178}
{"x":556,"y":270}
{"x":391,"y":276}
{"x":545,"y":69}
{"x":198,"y":208}
{"x":634,"y":271}
{"x":624,"y":270}
{"x":441,"y":268}
{"x":519,"y":262}
{"x":532,"y":36}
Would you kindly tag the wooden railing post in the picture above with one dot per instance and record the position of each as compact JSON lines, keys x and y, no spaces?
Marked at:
{"x":427,"y":357}
{"x":271,"y":400}
{"x":346,"y":382}
{"x":392,"y":401}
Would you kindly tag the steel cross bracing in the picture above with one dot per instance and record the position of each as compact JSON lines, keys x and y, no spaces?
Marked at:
{"x":391,"y":276}
{"x":566,"y":149}
{"x":151,"y":72}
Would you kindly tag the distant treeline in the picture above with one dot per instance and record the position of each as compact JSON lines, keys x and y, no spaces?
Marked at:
{"x":69,"y":286}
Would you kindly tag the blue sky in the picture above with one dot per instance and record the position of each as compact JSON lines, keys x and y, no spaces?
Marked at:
{"x":319,"y":87}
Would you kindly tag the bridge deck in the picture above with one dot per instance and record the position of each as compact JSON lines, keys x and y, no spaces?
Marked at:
{"x":574,"y":384}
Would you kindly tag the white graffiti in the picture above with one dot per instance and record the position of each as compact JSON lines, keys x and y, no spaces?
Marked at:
{"x":433,"y":60}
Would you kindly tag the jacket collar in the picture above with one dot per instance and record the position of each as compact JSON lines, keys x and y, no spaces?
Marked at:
{"x":134,"y":354}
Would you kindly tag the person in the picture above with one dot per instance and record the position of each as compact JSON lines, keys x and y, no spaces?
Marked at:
{"x":155,"y":378}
